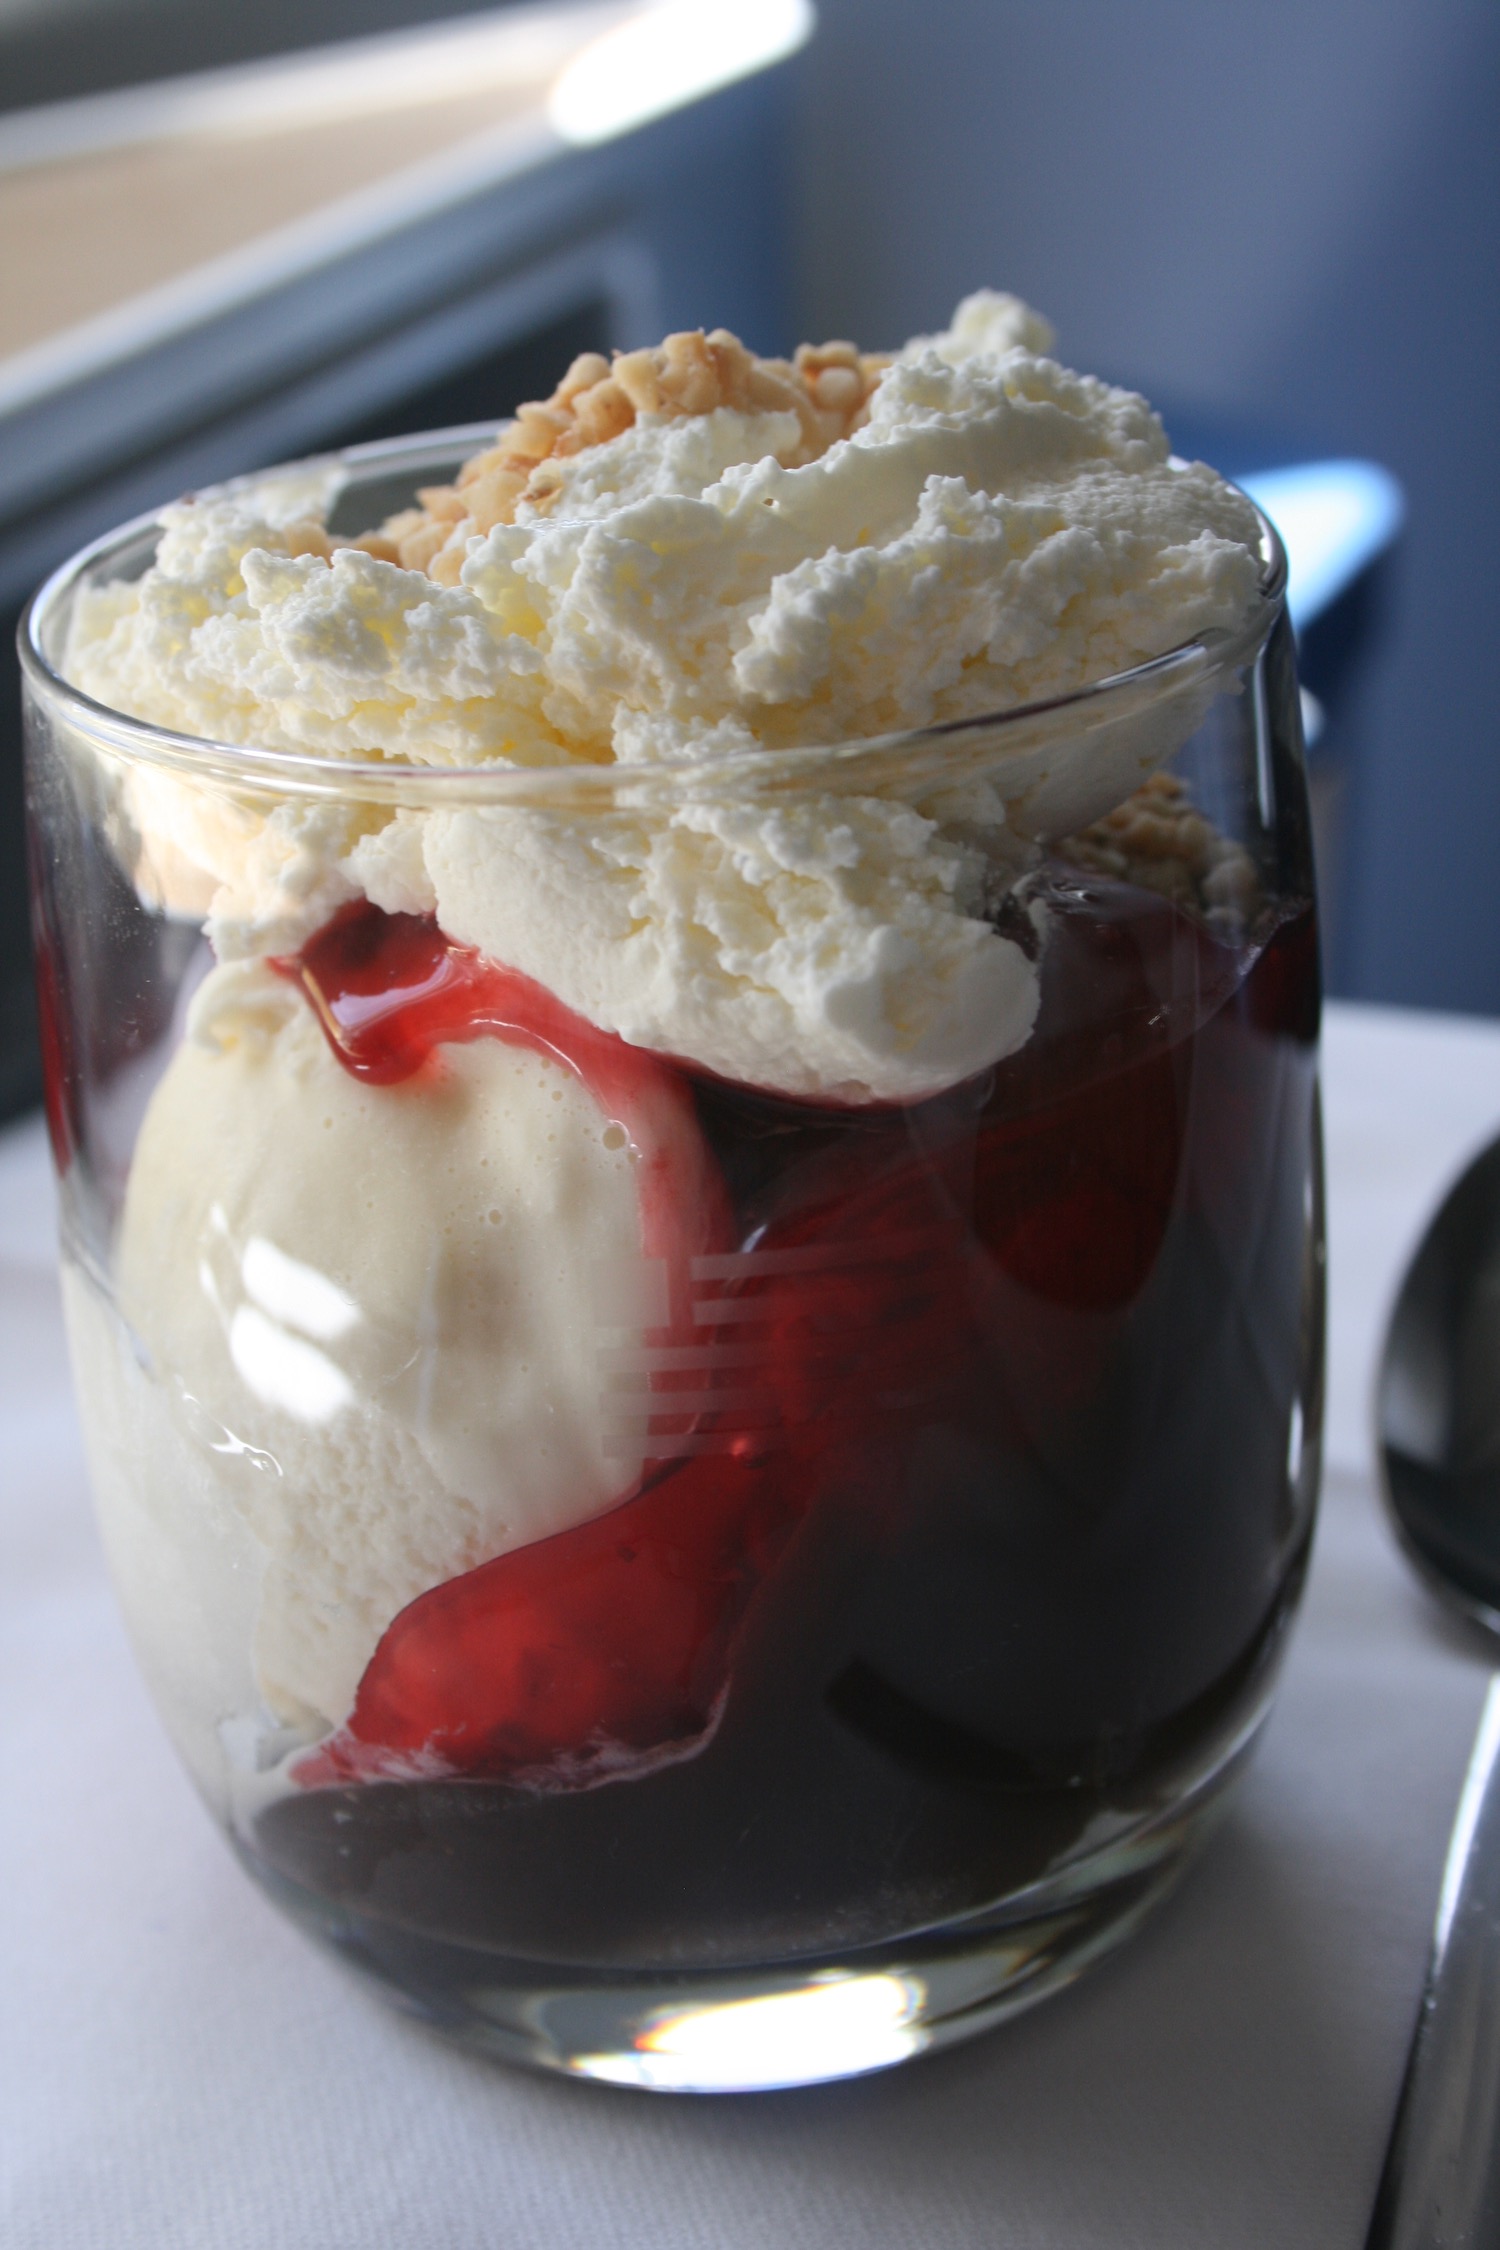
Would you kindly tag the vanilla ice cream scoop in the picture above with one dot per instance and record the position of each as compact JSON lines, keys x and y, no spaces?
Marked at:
{"x":380,"y":1309}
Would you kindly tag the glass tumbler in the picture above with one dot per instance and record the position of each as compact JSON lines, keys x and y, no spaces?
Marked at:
{"x":670,"y":1580}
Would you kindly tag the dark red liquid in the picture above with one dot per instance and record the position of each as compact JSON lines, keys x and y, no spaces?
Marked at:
{"x":967,"y":1511}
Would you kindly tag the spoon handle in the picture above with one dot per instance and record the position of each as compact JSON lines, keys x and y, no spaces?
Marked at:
{"x":1441,"y":2185}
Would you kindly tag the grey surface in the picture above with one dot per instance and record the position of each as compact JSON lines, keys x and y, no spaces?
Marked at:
{"x":180,"y":2073}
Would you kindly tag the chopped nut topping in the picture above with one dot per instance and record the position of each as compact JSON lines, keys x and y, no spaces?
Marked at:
{"x":306,"y":537}
{"x":1159,"y":840}
{"x":827,"y":387}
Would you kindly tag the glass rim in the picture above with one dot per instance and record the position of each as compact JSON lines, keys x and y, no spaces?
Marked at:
{"x":395,"y":781}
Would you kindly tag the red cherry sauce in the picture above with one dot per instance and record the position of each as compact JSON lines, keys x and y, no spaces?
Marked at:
{"x":55,"y":1015}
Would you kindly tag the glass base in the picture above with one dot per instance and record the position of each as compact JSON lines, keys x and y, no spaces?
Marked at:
{"x":792,"y":2023}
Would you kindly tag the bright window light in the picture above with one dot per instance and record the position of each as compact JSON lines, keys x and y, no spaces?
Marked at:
{"x":670,"y":54}
{"x":1334,"y":518}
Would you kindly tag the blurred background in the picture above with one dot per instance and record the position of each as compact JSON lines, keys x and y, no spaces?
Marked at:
{"x":231,"y":236}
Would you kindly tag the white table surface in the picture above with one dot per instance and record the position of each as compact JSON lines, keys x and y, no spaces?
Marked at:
{"x":177,"y":2068}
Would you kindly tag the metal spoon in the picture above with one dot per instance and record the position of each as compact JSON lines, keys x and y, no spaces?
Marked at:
{"x":1438,"y":1422}
{"x":1438,"y":1401}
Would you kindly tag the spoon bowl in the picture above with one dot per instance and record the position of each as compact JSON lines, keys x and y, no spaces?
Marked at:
{"x":1438,"y":1398}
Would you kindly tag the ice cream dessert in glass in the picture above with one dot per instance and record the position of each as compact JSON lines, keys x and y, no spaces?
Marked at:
{"x":681,"y":1052}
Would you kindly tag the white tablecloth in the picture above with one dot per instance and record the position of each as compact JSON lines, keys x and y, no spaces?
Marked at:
{"x":179,"y":2071}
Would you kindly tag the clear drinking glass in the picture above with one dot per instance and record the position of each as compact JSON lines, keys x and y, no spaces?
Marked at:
{"x":945,"y":1470}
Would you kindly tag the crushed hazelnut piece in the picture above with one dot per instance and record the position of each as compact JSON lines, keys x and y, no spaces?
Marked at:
{"x":307,"y":537}
{"x":826,"y":386}
{"x":1159,"y":840}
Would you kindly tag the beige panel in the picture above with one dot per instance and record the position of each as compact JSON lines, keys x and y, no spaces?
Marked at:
{"x":85,"y":234}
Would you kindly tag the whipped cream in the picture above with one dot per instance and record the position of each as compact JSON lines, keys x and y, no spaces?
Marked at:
{"x":993,"y":531}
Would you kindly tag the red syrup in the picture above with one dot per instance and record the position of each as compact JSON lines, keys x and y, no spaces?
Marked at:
{"x":966,"y":1277}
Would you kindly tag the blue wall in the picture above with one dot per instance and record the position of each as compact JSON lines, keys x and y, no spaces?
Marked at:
{"x":1286,"y":215}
